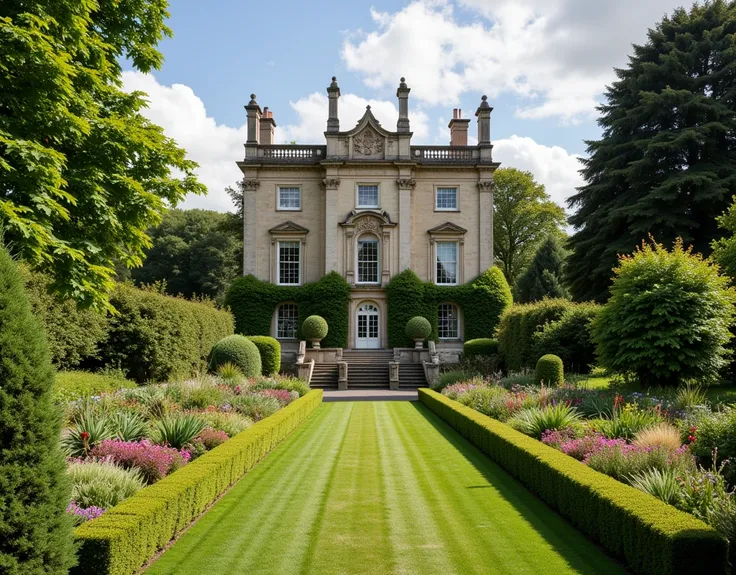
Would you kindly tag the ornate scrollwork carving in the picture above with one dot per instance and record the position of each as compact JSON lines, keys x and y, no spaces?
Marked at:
{"x":368,"y":142}
{"x":406,"y":183}
{"x":487,"y":186}
{"x":367,"y":225}
{"x":331,"y":183}
{"x":251,"y":185}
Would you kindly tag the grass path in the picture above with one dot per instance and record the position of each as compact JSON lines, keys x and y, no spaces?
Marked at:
{"x":379,"y":488}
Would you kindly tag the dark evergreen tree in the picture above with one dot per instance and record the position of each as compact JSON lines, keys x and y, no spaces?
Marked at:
{"x":543,"y":278}
{"x":36,"y":534}
{"x":666,"y":163}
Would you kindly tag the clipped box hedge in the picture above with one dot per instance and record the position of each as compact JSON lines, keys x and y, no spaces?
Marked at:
{"x":127,"y":536}
{"x":650,"y":536}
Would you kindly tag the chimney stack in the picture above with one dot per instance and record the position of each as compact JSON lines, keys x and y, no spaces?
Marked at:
{"x":403,"y":95}
{"x":484,"y":122}
{"x":333,"y":93}
{"x":458,"y":128}
{"x":253,"y":111}
{"x":267,"y":127}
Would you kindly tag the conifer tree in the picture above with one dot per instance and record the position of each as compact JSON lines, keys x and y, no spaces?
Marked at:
{"x":36,"y":534}
{"x":666,"y":163}
{"x":543,"y":277}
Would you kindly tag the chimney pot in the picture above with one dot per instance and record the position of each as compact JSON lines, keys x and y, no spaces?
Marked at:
{"x":267,"y":127}
{"x":458,"y":129}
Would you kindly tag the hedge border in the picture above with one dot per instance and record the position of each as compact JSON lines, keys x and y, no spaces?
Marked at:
{"x":649,"y":535}
{"x":127,"y":536}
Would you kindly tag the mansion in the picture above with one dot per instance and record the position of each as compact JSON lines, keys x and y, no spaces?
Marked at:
{"x":368,"y":204}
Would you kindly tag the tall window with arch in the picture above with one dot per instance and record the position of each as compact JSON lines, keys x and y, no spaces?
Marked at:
{"x":447,"y":321}
{"x":368,"y":249}
{"x":287,"y":319}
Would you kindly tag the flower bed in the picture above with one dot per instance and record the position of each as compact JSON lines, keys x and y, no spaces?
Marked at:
{"x":120,"y":441}
{"x":672,"y":444}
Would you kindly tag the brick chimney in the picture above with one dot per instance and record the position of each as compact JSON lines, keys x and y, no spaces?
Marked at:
{"x":267,"y":128}
{"x":458,"y":128}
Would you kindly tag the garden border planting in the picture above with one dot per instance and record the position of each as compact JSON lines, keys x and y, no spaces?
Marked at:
{"x":122,"y":540}
{"x":649,"y":535}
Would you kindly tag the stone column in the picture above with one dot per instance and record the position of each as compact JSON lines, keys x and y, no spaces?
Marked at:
{"x":406,"y":185}
{"x":331,"y":187}
{"x":403,"y":95}
{"x":333,"y":93}
{"x":486,"y":224}
{"x":253,"y":111}
{"x":250,"y":227}
{"x":484,"y":122}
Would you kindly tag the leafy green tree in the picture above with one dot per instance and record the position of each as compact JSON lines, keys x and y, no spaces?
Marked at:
{"x":523,"y":215}
{"x":82,"y":173}
{"x":668,"y":318}
{"x":37,"y":536}
{"x":543,"y":277}
{"x":666,"y":163}
{"x":195,"y":252}
{"x":724,"y":249}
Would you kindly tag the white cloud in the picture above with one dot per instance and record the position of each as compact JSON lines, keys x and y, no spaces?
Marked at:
{"x":552,"y":166}
{"x":558,"y":55}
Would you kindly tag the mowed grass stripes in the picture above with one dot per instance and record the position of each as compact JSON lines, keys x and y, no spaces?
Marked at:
{"x":380,"y":488}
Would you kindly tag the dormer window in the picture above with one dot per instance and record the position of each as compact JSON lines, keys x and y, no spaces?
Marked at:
{"x":367,"y":196}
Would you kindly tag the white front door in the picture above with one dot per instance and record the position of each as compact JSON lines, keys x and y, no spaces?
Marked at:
{"x":367,"y":332}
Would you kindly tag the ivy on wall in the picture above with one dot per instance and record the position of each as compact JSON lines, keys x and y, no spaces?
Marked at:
{"x":253,"y":303}
{"x":482,"y":302}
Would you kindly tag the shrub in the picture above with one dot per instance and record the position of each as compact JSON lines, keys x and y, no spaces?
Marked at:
{"x":270,"y":350}
{"x":128,"y":535}
{"x":714,"y":432}
{"x":229,"y":422}
{"x":490,"y":401}
{"x":128,"y":426}
{"x":481,"y":347}
{"x":569,"y":337}
{"x":549,"y":370}
{"x":623,"y":461}
{"x":535,"y":421}
{"x":689,"y":396}
{"x":177,"y":430}
{"x":239,"y":350}
{"x":292,"y":384}
{"x":211,"y":438}
{"x":314,"y":328}
{"x":36,"y":532}
{"x":256,"y":407}
{"x":153,"y":461}
{"x":418,"y":327}
{"x":659,"y":435}
{"x":517,"y":328}
{"x":231,"y":373}
{"x":650,"y":536}
{"x":668,"y":317}
{"x":450,"y":378}
{"x":71,"y":385}
{"x":202,"y":396}
{"x":626,"y":422}
{"x":155,"y":337}
{"x":86,"y":431}
{"x":663,"y":484}
{"x":102,"y":484}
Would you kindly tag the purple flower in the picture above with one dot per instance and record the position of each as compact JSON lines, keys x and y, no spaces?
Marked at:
{"x":86,"y":514}
{"x":154,"y":461}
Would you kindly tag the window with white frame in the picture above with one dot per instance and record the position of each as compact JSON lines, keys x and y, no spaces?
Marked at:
{"x":446,"y":273}
{"x":287,"y":318}
{"x":289,"y":198}
{"x":447,"y":321}
{"x":289,"y":263}
{"x":367,"y":195}
{"x":368,"y":260}
{"x":446,"y":199}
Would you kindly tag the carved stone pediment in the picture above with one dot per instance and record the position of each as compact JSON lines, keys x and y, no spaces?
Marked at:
{"x":447,"y":228}
{"x":368,"y":221}
{"x":368,"y":143}
{"x":288,"y":227}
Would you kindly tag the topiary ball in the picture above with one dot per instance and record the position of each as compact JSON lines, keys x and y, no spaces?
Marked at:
{"x":481,"y":347}
{"x":270,"y":350}
{"x":418,"y":328}
{"x":314,"y":328}
{"x":549,"y":370}
{"x":239,"y":350}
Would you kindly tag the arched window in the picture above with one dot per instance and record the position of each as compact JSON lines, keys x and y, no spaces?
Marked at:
{"x":287,"y":318}
{"x":447,"y":321}
{"x":368,"y":259}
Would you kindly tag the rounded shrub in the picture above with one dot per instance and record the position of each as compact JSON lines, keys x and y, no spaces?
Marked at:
{"x":570,"y":337}
{"x":481,"y":347}
{"x":668,"y":317}
{"x":314,"y":328}
{"x":418,"y":327}
{"x":239,"y":350}
{"x":37,"y":534}
{"x":549,"y":370}
{"x":270,"y":350}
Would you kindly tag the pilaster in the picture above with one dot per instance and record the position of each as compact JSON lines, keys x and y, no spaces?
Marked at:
{"x":250,"y":227}
{"x":332,"y":185}
{"x":485,"y":189}
{"x":406,"y":185}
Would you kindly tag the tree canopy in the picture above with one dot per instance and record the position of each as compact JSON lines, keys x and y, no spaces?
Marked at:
{"x":543,"y":277}
{"x":523,"y":216}
{"x":196,"y":252}
{"x":666,"y":163}
{"x":82,"y":173}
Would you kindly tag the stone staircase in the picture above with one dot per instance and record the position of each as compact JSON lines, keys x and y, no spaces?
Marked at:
{"x":324,"y":376}
{"x":411,"y":376}
{"x":368,"y":369}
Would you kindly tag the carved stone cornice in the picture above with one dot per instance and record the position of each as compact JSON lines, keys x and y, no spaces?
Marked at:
{"x":251,"y":185}
{"x":331,"y":183}
{"x":406,"y":183}
{"x":487,"y":186}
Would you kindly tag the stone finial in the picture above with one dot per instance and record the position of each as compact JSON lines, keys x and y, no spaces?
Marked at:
{"x":402,"y":93}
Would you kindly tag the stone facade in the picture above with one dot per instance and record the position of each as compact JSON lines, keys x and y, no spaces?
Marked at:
{"x":368,"y":205}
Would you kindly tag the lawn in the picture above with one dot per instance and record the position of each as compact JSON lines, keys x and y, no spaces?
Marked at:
{"x":384,"y":488}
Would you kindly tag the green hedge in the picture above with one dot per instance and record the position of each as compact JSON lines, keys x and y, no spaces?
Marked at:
{"x":270,"y":350}
{"x":237,"y":350}
{"x":131,"y":533}
{"x":253,"y":303}
{"x":482,"y":302}
{"x":71,"y":385}
{"x":570,"y":337}
{"x":155,"y":337}
{"x":549,"y":371}
{"x":649,"y":535}
{"x":481,"y":347}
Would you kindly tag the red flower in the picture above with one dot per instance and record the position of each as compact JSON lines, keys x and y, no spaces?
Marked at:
{"x":85,"y":436}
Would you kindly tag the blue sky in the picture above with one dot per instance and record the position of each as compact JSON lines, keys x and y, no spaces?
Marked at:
{"x":543,"y":63}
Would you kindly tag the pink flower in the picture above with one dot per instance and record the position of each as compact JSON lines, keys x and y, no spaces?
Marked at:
{"x":282,"y":395}
{"x":154,"y":461}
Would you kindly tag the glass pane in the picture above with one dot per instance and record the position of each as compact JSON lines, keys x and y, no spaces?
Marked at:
{"x":446,"y":198}
{"x":362,"y":326}
{"x":447,"y":321}
{"x":289,"y":198}
{"x":446,"y":262}
{"x":368,"y":196}
{"x":289,"y":253}
{"x":368,"y":261}
{"x":287,"y":321}
{"x":373,"y":326}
